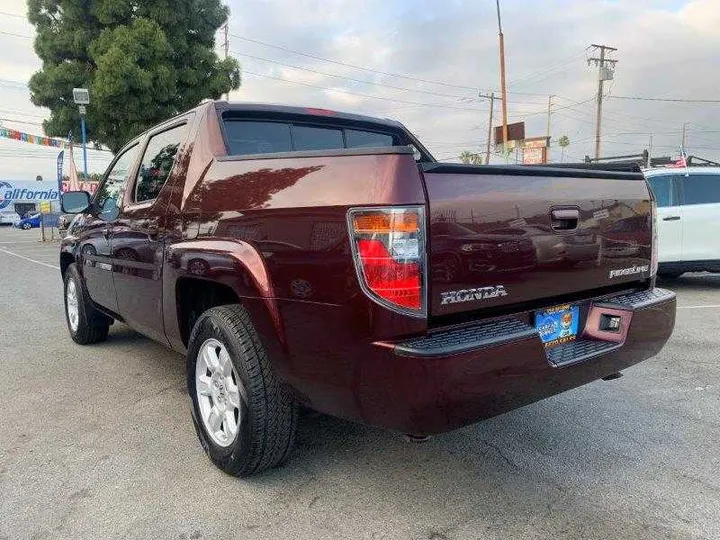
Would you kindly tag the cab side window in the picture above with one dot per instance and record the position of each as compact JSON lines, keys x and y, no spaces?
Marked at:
{"x":662,"y":187}
{"x":157,"y":162}
{"x":701,"y":188}
{"x":108,"y":195}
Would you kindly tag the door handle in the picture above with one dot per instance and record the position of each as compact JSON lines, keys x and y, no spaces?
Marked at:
{"x":671,"y":218}
{"x":565,"y":219}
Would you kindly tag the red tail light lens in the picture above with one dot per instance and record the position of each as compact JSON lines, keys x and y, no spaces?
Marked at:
{"x":389,"y":250}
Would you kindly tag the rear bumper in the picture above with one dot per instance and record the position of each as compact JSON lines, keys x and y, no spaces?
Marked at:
{"x":509,"y":367}
{"x":460,"y":375}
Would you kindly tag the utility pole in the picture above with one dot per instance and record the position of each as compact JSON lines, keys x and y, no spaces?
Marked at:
{"x":226,"y":48}
{"x":684,"y":136}
{"x":503,"y":90}
{"x":650,"y":149}
{"x":547,"y":150}
{"x":549,"y":112}
{"x":491,"y":97}
{"x":604,"y":74}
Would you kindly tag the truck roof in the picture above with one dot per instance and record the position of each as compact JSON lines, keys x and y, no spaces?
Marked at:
{"x":682,"y":170}
{"x":306,"y":111}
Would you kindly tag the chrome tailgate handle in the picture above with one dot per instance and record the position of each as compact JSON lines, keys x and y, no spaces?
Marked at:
{"x":565,"y":219}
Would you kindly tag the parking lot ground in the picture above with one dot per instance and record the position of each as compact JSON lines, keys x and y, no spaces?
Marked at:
{"x":97,"y":442}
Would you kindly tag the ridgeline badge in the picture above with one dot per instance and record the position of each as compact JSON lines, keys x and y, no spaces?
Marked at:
{"x":469,"y":295}
{"x":629,"y":271}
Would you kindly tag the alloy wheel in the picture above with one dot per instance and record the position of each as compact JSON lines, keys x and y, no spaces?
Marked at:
{"x":219,"y":391}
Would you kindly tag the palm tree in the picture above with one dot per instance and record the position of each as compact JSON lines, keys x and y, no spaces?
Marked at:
{"x":468,"y":158}
{"x":563,"y":142}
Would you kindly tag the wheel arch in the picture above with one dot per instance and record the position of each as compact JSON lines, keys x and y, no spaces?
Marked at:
{"x":206,"y":273}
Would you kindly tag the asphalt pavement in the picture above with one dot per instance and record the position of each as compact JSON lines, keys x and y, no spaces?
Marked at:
{"x":97,"y":442}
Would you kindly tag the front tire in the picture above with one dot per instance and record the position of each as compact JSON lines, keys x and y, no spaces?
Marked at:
{"x":26,"y":226}
{"x":244,"y":415}
{"x":85,"y":323}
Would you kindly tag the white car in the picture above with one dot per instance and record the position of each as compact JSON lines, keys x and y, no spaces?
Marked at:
{"x":689,"y":219}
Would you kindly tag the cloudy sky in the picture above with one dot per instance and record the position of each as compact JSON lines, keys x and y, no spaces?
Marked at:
{"x":425,"y":62}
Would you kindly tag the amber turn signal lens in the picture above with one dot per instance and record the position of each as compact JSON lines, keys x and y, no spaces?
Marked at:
{"x":384,"y":223}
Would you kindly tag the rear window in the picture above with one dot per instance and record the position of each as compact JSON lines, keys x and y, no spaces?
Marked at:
{"x":258,"y":137}
{"x":266,"y":137}
{"x":367,"y":139}
{"x":316,"y":138}
{"x":701,"y":188}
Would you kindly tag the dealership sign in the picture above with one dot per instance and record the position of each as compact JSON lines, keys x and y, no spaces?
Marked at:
{"x":11,"y":192}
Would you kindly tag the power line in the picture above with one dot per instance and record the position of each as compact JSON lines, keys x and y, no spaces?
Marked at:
{"x":373,"y":83}
{"x":20,"y":121}
{"x":555,"y":109}
{"x":3,"y":32}
{"x":13,"y":15}
{"x":5,"y":110}
{"x":667,"y":100}
{"x":344,"y":77}
{"x":369,"y":96}
{"x":618,"y":113}
{"x":543,"y":72}
{"x":17,"y":83}
{"x":363,"y":68}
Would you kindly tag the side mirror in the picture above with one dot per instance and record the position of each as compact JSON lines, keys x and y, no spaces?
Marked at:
{"x":75,"y":202}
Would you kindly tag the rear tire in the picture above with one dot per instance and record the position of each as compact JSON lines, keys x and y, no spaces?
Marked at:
{"x":259,"y":431}
{"x":85,"y":323}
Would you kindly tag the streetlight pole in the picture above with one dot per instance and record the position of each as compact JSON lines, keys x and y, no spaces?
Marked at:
{"x":81,"y":97}
{"x":84,"y":137}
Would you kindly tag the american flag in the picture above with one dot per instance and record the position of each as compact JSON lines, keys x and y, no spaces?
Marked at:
{"x":680,"y":162}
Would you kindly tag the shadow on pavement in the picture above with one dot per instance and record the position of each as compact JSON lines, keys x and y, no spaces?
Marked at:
{"x":692,"y":282}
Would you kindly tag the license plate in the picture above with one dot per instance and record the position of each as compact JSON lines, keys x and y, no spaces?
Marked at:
{"x":557,"y":324}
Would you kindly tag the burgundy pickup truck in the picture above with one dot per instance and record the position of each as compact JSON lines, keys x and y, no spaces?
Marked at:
{"x":303,"y":257}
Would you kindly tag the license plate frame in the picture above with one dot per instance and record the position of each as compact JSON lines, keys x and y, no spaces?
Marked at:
{"x":558,"y":324}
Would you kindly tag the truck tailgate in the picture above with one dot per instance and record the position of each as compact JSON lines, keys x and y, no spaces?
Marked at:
{"x":507,"y":235}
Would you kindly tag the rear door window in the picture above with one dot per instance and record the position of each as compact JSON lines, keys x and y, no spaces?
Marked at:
{"x":701,"y":188}
{"x":662,"y":187}
{"x":157,"y":162}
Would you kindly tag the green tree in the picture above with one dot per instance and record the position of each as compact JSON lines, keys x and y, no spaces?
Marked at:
{"x":143,"y":61}
{"x":563,"y":142}
{"x":468,"y":158}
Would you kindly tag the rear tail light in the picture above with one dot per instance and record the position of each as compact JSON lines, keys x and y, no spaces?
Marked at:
{"x":388,"y":246}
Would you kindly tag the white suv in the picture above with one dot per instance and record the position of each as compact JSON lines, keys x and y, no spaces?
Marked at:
{"x":689,"y":219}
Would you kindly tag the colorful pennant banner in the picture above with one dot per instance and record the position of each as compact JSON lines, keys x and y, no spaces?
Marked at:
{"x":33,"y":139}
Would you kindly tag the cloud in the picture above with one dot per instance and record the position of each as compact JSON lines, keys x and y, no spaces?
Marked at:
{"x":666,"y":48}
